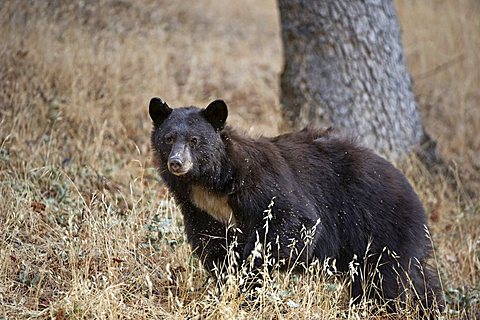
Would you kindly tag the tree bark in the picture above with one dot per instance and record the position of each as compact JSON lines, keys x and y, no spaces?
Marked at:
{"x":345,"y":67}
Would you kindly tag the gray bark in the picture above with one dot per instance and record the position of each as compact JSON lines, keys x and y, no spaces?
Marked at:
{"x":345,"y":67}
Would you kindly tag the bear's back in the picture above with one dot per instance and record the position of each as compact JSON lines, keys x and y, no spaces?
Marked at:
{"x":357,"y":187}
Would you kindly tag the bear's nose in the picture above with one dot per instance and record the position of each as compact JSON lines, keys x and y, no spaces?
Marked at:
{"x":175,"y":164}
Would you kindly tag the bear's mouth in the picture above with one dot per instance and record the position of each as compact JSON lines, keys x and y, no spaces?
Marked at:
{"x":179,"y":170}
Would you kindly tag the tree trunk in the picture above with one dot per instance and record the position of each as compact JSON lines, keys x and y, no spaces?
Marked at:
{"x":345,"y":67}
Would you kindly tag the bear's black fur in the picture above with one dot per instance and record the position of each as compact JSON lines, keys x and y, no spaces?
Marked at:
{"x":351,"y":198}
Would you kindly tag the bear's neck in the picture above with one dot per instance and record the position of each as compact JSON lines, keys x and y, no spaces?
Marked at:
{"x":241,"y":155}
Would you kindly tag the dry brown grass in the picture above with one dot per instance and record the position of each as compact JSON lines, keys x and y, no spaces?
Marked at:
{"x":86,"y":231}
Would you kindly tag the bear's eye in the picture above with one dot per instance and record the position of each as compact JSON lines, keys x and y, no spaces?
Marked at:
{"x":169,"y":139}
{"x":193,"y":141}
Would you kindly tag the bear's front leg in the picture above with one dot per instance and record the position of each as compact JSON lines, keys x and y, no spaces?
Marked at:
{"x":209,"y":239}
{"x":281,"y":242}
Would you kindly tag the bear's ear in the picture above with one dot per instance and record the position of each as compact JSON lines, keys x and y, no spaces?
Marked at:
{"x":216,"y":113}
{"x":159,"y":110}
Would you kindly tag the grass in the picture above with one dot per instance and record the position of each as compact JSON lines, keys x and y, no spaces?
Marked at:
{"x":86,"y":228}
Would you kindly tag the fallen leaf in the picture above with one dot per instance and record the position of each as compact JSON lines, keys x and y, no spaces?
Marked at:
{"x":38,"y":206}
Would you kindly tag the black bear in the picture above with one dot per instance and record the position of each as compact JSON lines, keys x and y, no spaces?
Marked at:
{"x":356,"y":205}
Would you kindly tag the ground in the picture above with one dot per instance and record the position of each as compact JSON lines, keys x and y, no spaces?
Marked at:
{"x":86,"y":229}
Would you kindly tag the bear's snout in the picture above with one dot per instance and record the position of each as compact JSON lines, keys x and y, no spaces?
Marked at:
{"x":175,"y":164}
{"x":180,"y":161}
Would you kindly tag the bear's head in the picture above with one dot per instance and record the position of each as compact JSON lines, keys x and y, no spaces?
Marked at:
{"x":187,"y":141}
